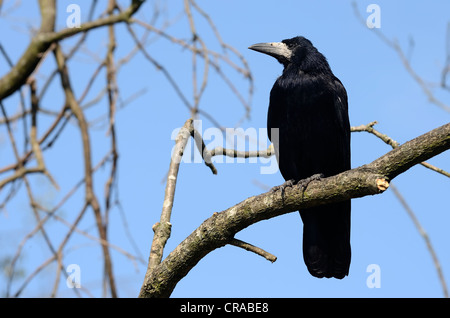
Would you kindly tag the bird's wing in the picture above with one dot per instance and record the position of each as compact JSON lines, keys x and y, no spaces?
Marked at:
{"x":311,"y":114}
{"x":343,"y":122}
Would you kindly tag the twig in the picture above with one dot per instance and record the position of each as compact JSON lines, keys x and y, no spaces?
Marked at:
{"x":266,"y":153}
{"x":33,"y":134}
{"x":396,"y":47}
{"x":163,"y":228}
{"x":212,"y":61}
{"x":90,"y":197}
{"x":394,"y":144}
{"x":254,"y":249}
{"x":42,"y":41}
{"x":424,"y":235}
{"x":21,"y":171}
{"x":161,"y":68}
{"x":113,"y":92}
{"x":196,"y":38}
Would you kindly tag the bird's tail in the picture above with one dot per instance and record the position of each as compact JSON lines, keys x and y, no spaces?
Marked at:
{"x":326,"y":240}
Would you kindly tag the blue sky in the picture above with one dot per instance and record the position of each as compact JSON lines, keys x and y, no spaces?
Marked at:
{"x":378,"y":86}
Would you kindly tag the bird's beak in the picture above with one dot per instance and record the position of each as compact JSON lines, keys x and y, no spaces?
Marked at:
{"x":278,"y":50}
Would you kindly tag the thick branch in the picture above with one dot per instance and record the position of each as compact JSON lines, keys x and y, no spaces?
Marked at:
{"x":220,"y":228}
{"x":413,"y":152}
{"x":30,"y":59}
{"x":394,"y":144}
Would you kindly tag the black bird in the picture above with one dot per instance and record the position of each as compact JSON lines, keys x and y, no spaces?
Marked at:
{"x":309,"y":111}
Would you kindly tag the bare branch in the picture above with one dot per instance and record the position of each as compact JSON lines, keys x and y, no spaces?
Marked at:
{"x":45,"y":37}
{"x":405,"y":61}
{"x":254,"y":249}
{"x":220,"y":228}
{"x":91,"y":199}
{"x":163,"y":228}
{"x":424,"y":235}
{"x":394,"y":144}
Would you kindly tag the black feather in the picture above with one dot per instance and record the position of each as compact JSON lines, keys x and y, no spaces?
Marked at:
{"x":309,"y":107}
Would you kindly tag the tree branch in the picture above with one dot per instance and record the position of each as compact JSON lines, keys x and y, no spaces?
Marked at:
{"x":162,"y":229}
{"x":249,"y":247}
{"x":394,"y":144}
{"x":90,"y":197}
{"x":220,"y":228}
{"x":425,"y":237}
{"x":45,"y":37}
{"x":406,"y":63}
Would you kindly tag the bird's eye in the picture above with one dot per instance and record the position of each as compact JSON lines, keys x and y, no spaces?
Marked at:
{"x":290,"y":45}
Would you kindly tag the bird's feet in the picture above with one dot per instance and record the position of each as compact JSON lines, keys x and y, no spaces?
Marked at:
{"x":305,"y":182}
{"x":288,"y":183}
{"x":302,"y":183}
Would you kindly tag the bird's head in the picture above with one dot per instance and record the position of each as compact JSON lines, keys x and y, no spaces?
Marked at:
{"x":288,"y":51}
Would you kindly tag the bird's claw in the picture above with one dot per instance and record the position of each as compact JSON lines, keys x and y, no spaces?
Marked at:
{"x":305,"y":182}
{"x":302,"y":183}
{"x":283,"y":187}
